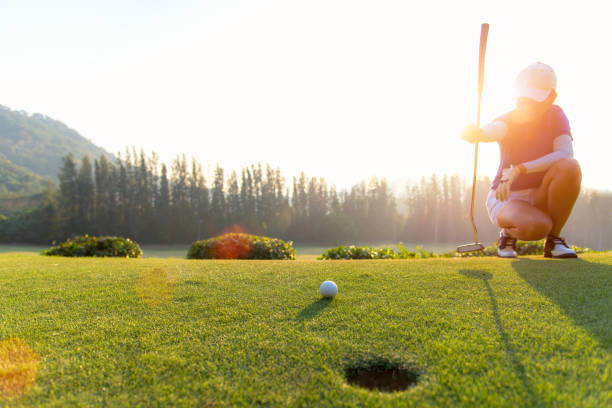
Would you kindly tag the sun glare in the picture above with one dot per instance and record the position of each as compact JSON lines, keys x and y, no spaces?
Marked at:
{"x":156,"y":286}
{"x":18,"y":367}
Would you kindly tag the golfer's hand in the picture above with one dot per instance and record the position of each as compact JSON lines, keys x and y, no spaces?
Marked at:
{"x":508,"y":176}
{"x":470,"y":133}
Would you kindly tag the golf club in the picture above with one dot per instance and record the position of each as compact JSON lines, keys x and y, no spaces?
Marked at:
{"x":484,"y":32}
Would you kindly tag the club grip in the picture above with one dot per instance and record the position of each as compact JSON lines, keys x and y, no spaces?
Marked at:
{"x":484,"y":33}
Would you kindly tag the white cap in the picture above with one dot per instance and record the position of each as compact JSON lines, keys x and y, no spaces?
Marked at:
{"x":535,"y":82}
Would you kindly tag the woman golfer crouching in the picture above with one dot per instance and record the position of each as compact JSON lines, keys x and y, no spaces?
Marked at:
{"x":538,"y":180}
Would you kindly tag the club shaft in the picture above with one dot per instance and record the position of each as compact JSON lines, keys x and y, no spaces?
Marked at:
{"x":484,"y":33}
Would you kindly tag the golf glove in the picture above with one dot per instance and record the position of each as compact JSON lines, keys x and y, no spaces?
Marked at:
{"x":502,"y":193}
{"x":471,"y":132}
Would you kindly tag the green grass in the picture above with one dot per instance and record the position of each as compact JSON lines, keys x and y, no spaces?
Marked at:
{"x":482,"y":332}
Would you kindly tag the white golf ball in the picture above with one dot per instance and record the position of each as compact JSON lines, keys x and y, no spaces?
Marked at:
{"x":328,"y":289}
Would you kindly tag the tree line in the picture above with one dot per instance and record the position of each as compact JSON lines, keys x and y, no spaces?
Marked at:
{"x":138,"y":197}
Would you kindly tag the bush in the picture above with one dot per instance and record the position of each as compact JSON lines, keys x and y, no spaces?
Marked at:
{"x":96,"y":247}
{"x":355,"y":252}
{"x":241,"y":246}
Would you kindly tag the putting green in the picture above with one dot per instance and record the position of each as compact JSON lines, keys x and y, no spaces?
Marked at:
{"x":171,"y":332}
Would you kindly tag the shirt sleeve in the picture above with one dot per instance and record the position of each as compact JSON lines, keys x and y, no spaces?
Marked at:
{"x":560,"y":124}
{"x":494,"y":131}
{"x":562,"y":149}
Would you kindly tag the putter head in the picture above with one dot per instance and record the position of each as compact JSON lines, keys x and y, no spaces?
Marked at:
{"x":476,"y":246}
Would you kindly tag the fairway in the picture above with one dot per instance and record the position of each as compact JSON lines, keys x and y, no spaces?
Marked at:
{"x":181,"y":333}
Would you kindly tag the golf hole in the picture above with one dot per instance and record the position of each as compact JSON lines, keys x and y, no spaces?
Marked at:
{"x":382,"y":376}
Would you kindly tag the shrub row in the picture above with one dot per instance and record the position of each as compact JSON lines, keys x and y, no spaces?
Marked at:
{"x":245,"y":246}
{"x":355,"y":252}
{"x":228,"y":246}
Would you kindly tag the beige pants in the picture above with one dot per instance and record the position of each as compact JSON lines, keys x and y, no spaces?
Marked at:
{"x":494,"y":205}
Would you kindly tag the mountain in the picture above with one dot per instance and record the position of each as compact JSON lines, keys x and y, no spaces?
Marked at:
{"x":19,"y":181}
{"x":37,"y":143}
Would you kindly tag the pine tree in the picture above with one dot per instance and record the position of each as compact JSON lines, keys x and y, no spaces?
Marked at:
{"x":153,"y":166}
{"x":69,"y":194}
{"x":52,"y":227}
{"x":198,"y":200}
{"x":335,"y":207}
{"x":233,"y":200}
{"x":130,"y":206}
{"x":457,"y":216}
{"x":302,"y":202}
{"x":257,"y":175}
{"x":144,"y":200}
{"x":282,"y":209}
{"x":180,"y":200}
{"x":123,"y":201}
{"x":247,"y":201}
{"x":104,"y":200}
{"x":85,"y":187}
{"x":162,"y":209}
{"x":217,"y":205}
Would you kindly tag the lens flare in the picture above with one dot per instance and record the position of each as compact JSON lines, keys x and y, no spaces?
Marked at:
{"x":18,"y":367}
{"x":156,"y":287}
{"x":234,"y":243}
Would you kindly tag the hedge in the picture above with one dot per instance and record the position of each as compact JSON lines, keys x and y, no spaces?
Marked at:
{"x":356,"y":252}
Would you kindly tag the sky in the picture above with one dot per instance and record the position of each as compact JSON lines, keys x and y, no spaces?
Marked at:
{"x":341,"y":89}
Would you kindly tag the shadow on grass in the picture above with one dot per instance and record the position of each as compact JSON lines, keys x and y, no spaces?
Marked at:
{"x":518,"y":368}
{"x":582,"y":290}
{"x":313,"y":309}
